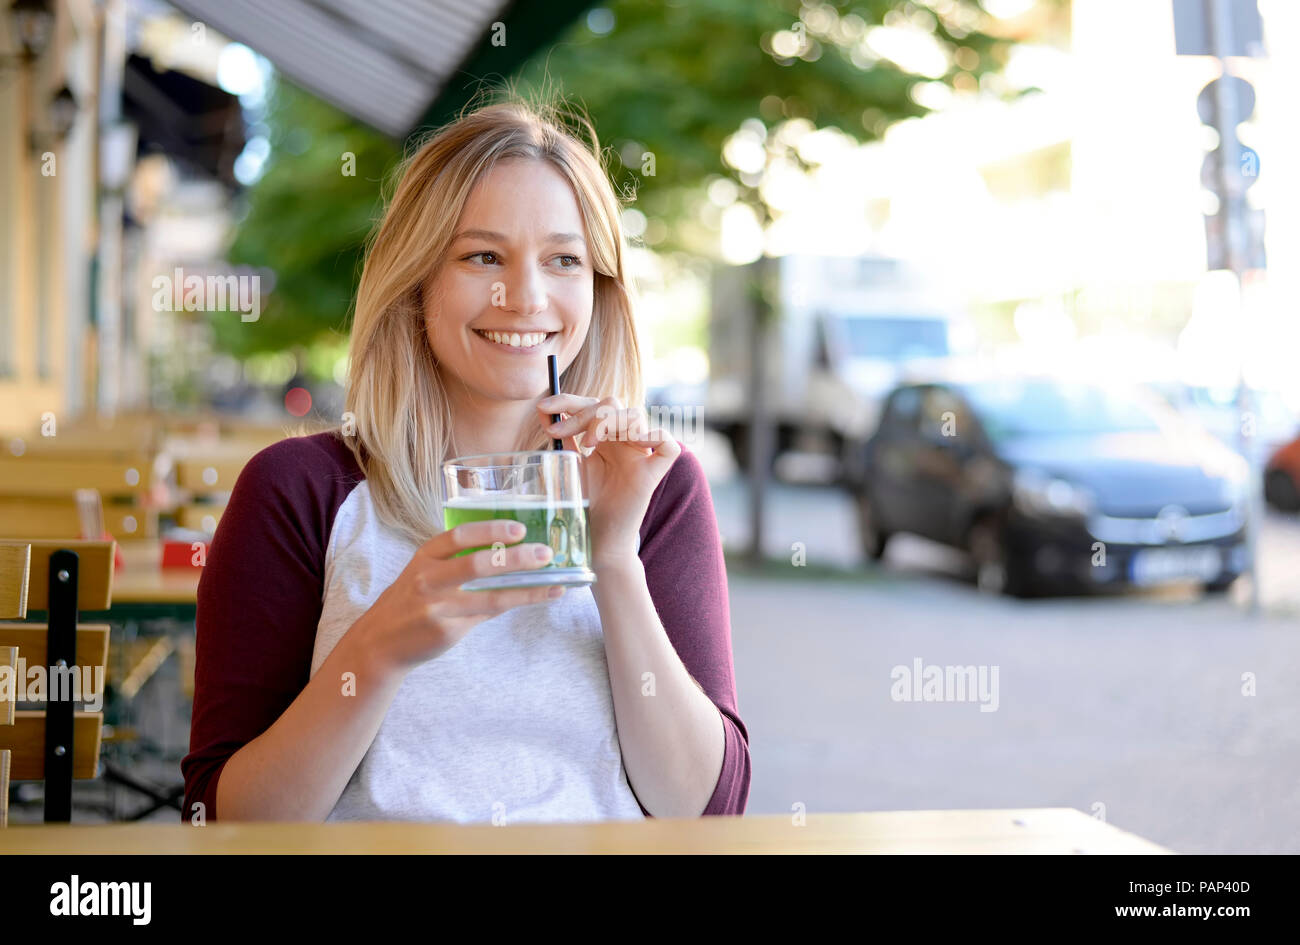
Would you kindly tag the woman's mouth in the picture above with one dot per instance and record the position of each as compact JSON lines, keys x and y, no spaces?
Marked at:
{"x":517,"y":342}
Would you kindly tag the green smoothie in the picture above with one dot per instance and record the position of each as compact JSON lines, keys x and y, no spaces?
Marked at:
{"x":562,"y":525}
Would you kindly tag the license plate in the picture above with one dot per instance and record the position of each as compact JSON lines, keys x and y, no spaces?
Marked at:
{"x":1157,"y":565}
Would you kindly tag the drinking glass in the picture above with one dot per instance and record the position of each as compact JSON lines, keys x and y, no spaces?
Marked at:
{"x":542,"y":489}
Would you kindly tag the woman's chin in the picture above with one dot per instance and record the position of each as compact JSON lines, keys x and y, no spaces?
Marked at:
{"x":515,"y":389}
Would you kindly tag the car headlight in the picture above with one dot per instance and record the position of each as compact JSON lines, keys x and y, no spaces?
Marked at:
{"x":1235,"y":491}
{"x":1036,"y":493}
{"x":1233,"y":473}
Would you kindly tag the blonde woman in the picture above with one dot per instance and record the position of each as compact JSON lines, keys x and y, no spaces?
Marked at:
{"x":341,"y":673}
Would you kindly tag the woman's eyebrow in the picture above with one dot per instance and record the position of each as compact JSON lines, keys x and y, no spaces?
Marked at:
{"x":502,"y":238}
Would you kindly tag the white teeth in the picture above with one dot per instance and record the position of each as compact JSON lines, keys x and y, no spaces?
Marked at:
{"x":515,"y":339}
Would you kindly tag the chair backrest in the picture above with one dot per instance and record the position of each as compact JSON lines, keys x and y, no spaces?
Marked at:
{"x":95,"y":572}
{"x":59,"y":743}
{"x":8,"y":686}
{"x":8,"y":690}
{"x":39,"y":484}
{"x":209,"y":472}
{"x":57,"y":472}
{"x":122,"y":432}
{"x":56,"y":517}
{"x":200,"y":516}
{"x":206,"y":471}
{"x":15,"y":563}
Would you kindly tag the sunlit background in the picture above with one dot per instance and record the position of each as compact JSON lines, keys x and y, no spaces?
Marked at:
{"x":851,"y":196}
{"x":1067,"y":220}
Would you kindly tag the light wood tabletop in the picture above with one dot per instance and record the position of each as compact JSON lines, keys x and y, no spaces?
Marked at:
{"x":1047,"y":830}
{"x":142,"y":581}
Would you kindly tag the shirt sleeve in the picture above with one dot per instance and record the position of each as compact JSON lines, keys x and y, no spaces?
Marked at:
{"x":681,"y":551}
{"x":259,"y":603}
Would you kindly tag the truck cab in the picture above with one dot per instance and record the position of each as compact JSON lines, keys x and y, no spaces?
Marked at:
{"x":844,"y":332}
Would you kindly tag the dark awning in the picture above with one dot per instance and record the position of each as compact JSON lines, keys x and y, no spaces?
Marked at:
{"x":389,"y":63}
{"x":198,"y":124}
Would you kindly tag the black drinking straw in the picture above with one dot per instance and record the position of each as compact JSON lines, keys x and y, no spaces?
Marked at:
{"x":554,"y":371}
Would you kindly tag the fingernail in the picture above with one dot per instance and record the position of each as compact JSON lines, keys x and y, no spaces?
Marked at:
{"x":542,"y":552}
{"x":515,"y":528}
{"x":555,"y":592}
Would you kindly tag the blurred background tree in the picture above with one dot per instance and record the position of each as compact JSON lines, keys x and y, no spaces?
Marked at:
{"x":306,"y":219}
{"x":682,"y":95}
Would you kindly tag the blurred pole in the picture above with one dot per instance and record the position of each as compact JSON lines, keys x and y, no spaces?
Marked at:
{"x":1218,"y":24}
{"x":759,"y":451}
{"x":110,"y":259}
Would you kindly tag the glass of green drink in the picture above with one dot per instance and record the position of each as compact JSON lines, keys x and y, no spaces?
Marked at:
{"x":542,"y":489}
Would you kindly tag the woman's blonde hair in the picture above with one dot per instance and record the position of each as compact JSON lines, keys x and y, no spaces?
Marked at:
{"x":396,"y":403}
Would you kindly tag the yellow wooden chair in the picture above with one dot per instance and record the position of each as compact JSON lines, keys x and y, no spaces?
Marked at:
{"x":53,"y":472}
{"x":206,"y":473}
{"x":14,"y":562}
{"x":57,"y":517}
{"x":38,"y":489}
{"x":60,"y":743}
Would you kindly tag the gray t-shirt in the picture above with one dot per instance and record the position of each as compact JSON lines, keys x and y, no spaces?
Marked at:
{"x":514,"y":723}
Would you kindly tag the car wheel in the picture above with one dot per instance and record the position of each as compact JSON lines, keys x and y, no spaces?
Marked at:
{"x":994,"y":571}
{"x":873,"y":539}
{"x":1280,"y":491}
{"x":738,"y":436}
{"x":1221,"y":586}
{"x":851,"y":472}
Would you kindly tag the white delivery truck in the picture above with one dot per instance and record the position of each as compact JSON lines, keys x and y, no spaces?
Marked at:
{"x":843,"y":332}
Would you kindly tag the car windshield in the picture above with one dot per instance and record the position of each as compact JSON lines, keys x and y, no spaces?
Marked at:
{"x":895,"y":338}
{"x":1017,"y":408}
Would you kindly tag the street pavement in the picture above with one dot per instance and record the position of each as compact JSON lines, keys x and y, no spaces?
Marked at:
{"x":1171,"y":715}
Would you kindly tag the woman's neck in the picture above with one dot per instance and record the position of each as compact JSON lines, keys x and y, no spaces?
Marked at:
{"x":488,"y":426}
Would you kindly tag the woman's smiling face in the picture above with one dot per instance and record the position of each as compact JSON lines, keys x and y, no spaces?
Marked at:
{"x":516,"y":283}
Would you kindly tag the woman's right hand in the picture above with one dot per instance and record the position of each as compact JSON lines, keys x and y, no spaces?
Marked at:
{"x":424,"y":612}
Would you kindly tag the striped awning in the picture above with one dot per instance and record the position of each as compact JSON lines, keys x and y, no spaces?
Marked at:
{"x":389,"y":63}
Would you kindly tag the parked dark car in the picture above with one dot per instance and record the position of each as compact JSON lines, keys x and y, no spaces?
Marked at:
{"x":1282,"y":477}
{"x":1053,"y":485}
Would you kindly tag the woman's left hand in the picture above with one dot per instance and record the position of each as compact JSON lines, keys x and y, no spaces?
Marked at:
{"x":625,"y":459}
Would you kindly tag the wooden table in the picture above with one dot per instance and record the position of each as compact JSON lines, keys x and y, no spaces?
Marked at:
{"x":1048,"y":830}
{"x":142,"y":582}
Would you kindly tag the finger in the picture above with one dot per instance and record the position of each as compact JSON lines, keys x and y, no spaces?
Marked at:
{"x":607,"y":420}
{"x":594,"y":432}
{"x":473,"y":535}
{"x":564,"y":403}
{"x":497,"y":560}
{"x":565,"y":426}
{"x":665,"y":454}
{"x":631,"y":429}
{"x":490,"y":603}
{"x":634,"y":428}
{"x":583,"y":415}
{"x":574,"y":423}
{"x":638,"y":424}
{"x":571,"y":443}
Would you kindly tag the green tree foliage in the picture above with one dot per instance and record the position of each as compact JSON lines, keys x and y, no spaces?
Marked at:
{"x":306,"y":220}
{"x":675,"y":80}
{"x":672,"y":78}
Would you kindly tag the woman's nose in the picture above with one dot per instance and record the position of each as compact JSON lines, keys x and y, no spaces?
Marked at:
{"x":525,"y":292}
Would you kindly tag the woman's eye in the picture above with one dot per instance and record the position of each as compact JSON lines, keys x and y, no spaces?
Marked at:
{"x":490,"y":258}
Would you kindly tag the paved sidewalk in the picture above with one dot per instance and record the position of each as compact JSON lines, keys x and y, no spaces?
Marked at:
{"x":1135,"y":704}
